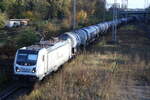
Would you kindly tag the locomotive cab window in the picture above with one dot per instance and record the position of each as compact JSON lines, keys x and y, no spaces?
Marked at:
{"x":32,"y":57}
{"x":26,"y":58}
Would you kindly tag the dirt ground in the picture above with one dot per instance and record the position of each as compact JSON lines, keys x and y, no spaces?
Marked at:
{"x":103,"y":72}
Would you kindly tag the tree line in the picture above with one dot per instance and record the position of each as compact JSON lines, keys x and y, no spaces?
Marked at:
{"x":38,"y":10}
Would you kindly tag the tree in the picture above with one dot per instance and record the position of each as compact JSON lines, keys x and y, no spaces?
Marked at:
{"x":2,"y":6}
{"x":94,"y":9}
{"x":100,"y":9}
{"x":58,"y":9}
{"x":17,"y":9}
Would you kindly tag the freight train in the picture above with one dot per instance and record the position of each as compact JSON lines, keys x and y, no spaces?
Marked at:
{"x":37,"y":61}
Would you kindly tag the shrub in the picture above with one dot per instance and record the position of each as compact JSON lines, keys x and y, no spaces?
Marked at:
{"x":29,"y":14}
{"x":65,"y":25}
{"x":27,"y":37}
{"x":33,"y":16}
{"x":48,"y":29}
{"x":82,"y":17}
{"x":3,"y":19}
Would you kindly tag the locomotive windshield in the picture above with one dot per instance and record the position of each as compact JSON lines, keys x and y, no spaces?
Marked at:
{"x":27,"y":57}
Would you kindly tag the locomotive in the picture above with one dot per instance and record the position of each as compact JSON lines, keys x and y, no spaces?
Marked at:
{"x":37,"y":61}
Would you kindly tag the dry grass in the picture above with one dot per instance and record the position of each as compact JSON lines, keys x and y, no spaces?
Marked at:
{"x":103,"y":72}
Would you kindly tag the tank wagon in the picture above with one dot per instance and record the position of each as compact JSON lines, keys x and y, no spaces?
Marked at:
{"x":39,"y":60}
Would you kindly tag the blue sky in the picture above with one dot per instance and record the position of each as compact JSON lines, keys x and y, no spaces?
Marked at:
{"x":132,"y":3}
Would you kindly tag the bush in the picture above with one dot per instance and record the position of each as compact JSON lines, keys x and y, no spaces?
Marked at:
{"x":33,"y":16}
{"x":82,"y":17}
{"x":29,"y":15}
{"x":65,"y":25}
{"x":27,"y":37}
{"x":47,"y":29}
{"x":3,"y":19}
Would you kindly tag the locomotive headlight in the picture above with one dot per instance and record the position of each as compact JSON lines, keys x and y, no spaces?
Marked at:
{"x":17,"y":69}
{"x":33,"y":70}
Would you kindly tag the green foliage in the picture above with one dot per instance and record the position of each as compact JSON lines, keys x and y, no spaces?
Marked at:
{"x":48,"y":29}
{"x":27,"y":37}
{"x":38,"y":7}
{"x":38,"y":10}
{"x":82,"y":17}
{"x":17,"y":9}
{"x":3,"y":19}
{"x":6,"y":4}
{"x":57,"y":8}
{"x":100,"y":9}
{"x":51,"y":16}
{"x":33,"y":16}
{"x":129,"y":27}
{"x":2,"y":6}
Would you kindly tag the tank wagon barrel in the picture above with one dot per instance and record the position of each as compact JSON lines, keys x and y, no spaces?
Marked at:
{"x":86,"y":35}
{"x":39,"y":60}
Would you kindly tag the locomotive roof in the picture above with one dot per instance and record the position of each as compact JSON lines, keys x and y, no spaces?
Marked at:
{"x":44,"y":44}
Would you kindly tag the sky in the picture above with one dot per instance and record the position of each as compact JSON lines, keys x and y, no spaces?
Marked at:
{"x":132,"y":3}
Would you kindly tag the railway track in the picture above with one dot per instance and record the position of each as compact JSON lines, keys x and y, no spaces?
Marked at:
{"x":12,"y":91}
